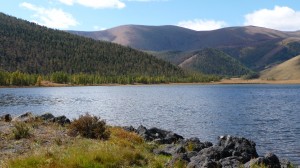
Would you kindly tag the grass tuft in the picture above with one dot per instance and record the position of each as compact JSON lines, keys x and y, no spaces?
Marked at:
{"x":21,"y":130}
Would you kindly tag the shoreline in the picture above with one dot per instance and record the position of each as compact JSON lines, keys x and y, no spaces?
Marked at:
{"x":148,"y":144}
{"x":232,"y":81}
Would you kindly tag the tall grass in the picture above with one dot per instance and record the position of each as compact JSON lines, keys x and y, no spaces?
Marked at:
{"x":123,"y":149}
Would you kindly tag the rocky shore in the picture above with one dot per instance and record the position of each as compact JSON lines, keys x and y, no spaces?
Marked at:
{"x":228,"y":152}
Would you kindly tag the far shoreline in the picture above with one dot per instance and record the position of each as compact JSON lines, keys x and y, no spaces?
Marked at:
{"x":232,"y":81}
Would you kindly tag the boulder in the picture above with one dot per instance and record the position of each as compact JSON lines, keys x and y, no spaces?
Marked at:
{"x":201,"y":161}
{"x":6,"y":118}
{"x":24,"y":117}
{"x":179,"y":160}
{"x":230,"y":162}
{"x":158,"y":135}
{"x":269,"y":160}
{"x":285,"y":163}
{"x":238,"y":146}
{"x":47,"y":116}
{"x":129,"y":128}
{"x":214,"y":153}
{"x":169,"y":150}
{"x":194,"y":144}
{"x":272,"y":160}
{"x":62,"y":120}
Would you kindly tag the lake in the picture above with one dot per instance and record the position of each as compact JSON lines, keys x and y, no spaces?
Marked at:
{"x":266,"y":114}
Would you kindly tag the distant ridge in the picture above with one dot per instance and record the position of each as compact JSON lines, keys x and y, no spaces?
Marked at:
{"x":255,"y":47}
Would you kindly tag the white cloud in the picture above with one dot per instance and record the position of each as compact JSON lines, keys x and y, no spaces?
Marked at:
{"x":67,"y":2}
{"x":200,"y":24}
{"x":280,"y":18}
{"x":147,"y":0}
{"x":97,"y":28}
{"x":54,"y":18}
{"x":97,"y":4}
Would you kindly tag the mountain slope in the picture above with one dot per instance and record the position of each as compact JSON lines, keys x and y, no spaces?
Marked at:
{"x":162,"y":38}
{"x":31,"y":48}
{"x":288,"y":70}
{"x":154,"y":38}
{"x":255,"y":47}
{"x":212,"y":61}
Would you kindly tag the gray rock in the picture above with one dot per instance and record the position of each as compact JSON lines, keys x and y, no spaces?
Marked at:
{"x":62,"y":120}
{"x":284,"y":163}
{"x":179,"y":160}
{"x":169,"y":150}
{"x":230,"y":162}
{"x":252,"y":162}
{"x":269,"y":160}
{"x":194,"y":144}
{"x":201,"y":161}
{"x":24,"y":117}
{"x":158,"y":135}
{"x":129,"y":128}
{"x":238,"y":146}
{"x":272,"y":160}
{"x":47,"y":116}
{"x":191,"y":154}
{"x":214,"y":152}
{"x":6,"y":118}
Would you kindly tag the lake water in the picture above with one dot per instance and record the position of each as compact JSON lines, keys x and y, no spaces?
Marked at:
{"x":266,"y":114}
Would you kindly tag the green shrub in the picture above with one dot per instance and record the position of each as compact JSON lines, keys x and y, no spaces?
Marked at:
{"x":21,"y":130}
{"x":252,"y":75}
{"x":89,"y":126}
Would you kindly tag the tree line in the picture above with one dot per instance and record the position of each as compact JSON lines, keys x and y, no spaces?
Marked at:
{"x":18,"y":78}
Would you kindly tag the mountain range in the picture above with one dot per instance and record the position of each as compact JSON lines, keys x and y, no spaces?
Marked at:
{"x":255,"y":48}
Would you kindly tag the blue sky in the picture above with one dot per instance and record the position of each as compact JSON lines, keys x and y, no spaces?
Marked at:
{"x":91,"y":15}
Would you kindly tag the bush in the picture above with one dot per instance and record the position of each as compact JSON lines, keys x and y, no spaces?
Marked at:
{"x":21,"y":130}
{"x":252,"y":75}
{"x":89,"y":126}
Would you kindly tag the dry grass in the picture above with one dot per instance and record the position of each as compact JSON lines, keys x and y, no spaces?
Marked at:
{"x":256,"y":81}
{"x":289,"y":70}
{"x":51,"y":147}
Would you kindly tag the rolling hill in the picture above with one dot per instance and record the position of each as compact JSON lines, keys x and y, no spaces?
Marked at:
{"x":213,"y":61}
{"x":255,"y":47}
{"x":288,"y":70}
{"x":208,"y":61}
{"x":35,"y":49}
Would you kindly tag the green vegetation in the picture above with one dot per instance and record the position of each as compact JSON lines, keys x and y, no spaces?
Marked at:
{"x":29,"y":51}
{"x":18,"y":78}
{"x":251,"y":75}
{"x":33,"y":49}
{"x":89,"y":127}
{"x":213,"y":61}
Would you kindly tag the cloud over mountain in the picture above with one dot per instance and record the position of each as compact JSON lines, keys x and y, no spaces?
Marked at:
{"x":202,"y":24}
{"x":280,"y":18}
{"x":50,"y":17}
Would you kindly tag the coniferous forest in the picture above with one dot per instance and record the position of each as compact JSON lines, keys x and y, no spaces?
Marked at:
{"x":28,"y":51}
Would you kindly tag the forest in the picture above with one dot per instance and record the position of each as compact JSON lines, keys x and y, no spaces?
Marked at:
{"x":18,"y":78}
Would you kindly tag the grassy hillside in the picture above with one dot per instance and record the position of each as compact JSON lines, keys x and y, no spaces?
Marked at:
{"x":31,"y":48}
{"x":212,"y":61}
{"x":266,"y":54}
{"x":289,"y":70}
{"x":255,"y":47}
